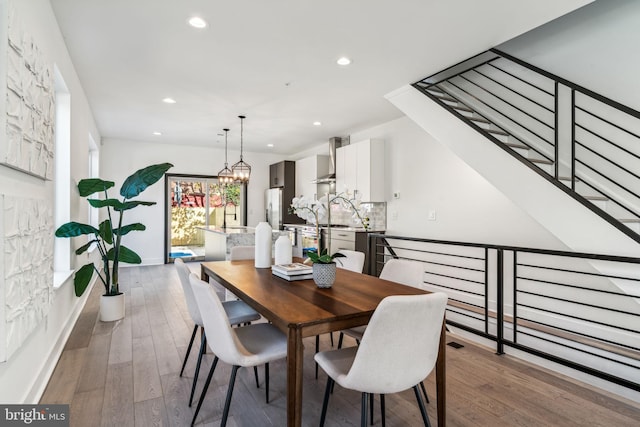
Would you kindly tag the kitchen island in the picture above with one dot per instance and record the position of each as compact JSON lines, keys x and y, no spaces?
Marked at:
{"x":218,"y":241}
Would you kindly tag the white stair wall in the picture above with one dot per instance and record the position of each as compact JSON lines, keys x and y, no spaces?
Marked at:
{"x":575,"y":225}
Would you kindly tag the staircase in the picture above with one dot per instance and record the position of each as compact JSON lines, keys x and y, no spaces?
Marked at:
{"x":583,"y":143}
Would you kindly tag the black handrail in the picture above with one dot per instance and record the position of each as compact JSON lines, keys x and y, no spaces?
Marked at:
{"x":468,"y":91}
{"x":533,"y":312}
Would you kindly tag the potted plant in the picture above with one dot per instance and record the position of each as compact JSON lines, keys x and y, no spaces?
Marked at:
{"x":108,"y":236}
{"x":324,"y":269}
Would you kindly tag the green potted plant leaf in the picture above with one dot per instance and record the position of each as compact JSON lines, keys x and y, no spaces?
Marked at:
{"x":108,"y":236}
{"x":324,"y":268}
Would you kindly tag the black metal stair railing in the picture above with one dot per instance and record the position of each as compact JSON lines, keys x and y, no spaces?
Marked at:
{"x":582,"y":142}
{"x":575,"y":309}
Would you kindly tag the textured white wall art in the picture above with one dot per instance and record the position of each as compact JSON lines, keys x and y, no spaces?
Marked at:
{"x":27,"y":245}
{"x":30,"y":104}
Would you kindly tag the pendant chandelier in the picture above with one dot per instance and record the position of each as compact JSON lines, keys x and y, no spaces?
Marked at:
{"x":241,"y":170}
{"x":225,"y":176}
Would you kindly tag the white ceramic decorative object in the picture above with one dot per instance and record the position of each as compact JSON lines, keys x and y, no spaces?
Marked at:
{"x":263,"y":245}
{"x":324,"y":274}
{"x":283,"y":251}
{"x":111,"y":307}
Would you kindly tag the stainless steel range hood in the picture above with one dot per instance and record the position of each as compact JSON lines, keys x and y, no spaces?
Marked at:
{"x":335,"y":142}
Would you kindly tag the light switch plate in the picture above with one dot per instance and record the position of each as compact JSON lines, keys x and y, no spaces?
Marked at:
{"x":431,"y":215}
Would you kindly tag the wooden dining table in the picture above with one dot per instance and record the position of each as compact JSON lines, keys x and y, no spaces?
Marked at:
{"x":301,"y":309}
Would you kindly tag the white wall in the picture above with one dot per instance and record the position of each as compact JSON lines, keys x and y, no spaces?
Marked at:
{"x":595,"y":47}
{"x":118,"y":159}
{"x":429,"y":176}
{"x":23,"y":377}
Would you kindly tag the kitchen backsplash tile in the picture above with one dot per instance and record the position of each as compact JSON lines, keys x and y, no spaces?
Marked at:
{"x":376,"y":211}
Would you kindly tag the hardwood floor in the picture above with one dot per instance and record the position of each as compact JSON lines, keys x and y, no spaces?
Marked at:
{"x":125,"y":373}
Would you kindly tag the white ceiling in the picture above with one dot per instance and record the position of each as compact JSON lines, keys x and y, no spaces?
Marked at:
{"x":271,"y":60}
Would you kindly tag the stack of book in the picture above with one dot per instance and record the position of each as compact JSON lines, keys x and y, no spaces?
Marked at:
{"x":293,"y":271}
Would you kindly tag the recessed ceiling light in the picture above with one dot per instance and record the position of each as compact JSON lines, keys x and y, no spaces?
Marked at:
{"x":197,"y":22}
{"x":157,"y":133}
{"x":317,"y":123}
{"x":343,"y":61}
{"x":169,"y":101}
{"x":270,"y":145}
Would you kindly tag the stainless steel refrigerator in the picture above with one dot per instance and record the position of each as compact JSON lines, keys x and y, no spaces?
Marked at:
{"x":274,"y":207}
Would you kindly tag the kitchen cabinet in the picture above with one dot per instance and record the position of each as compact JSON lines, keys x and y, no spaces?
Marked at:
{"x":360,"y":169}
{"x":307,"y":170}
{"x":349,"y":239}
{"x":282,"y":174}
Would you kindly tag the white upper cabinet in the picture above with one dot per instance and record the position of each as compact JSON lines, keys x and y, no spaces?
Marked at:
{"x":307,"y":170}
{"x":360,"y":168}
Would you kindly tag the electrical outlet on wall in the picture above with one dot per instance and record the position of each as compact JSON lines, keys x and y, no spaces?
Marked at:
{"x":431,"y":215}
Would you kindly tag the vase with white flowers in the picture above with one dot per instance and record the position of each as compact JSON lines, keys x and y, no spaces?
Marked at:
{"x":319,"y":211}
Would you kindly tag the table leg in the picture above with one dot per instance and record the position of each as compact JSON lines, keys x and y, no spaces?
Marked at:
{"x":294,"y":378}
{"x":441,"y":378}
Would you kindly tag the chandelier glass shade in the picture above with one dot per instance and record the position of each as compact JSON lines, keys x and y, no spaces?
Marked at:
{"x":241,"y":170}
{"x":225,"y":176}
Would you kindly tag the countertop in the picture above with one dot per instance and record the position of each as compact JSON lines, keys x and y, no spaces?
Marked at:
{"x":236,"y":229}
{"x":336,"y":227}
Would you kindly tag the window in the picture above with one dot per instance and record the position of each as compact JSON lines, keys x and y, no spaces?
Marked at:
{"x":62,"y":179}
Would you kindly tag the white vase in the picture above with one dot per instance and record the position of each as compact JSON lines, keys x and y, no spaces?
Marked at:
{"x":263,"y":245}
{"x":111,"y":307}
{"x":283,"y":251}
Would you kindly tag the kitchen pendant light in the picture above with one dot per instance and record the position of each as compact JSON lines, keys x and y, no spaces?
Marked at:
{"x":241,"y":170}
{"x":225,"y":176}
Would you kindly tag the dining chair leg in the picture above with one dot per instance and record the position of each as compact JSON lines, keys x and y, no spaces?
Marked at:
{"x":227,"y":402}
{"x":423,"y":410}
{"x":331,"y":335}
{"x":382,"y":410}
{"x":325,"y":402}
{"x":340,"y":340}
{"x":203,"y":346}
{"x":255,"y":374}
{"x":424,"y":391}
{"x":266,"y":380}
{"x":371,"y":396}
{"x":363,"y":413}
{"x":317,"y":349}
{"x":186,"y":356}
{"x":204,"y":390}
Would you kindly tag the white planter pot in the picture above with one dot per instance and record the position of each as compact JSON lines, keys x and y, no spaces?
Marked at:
{"x":324,"y":274}
{"x":111,"y":307}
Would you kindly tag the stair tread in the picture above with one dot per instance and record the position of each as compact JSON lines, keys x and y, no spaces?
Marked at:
{"x":479,"y":120}
{"x":596,"y":197}
{"x":462,"y":107}
{"x":630,"y":220}
{"x":497,"y":132}
{"x":568,"y":178}
{"x":516,"y":145}
{"x":541,"y":161}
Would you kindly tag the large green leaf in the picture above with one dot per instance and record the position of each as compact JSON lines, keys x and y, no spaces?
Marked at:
{"x":82,"y":278}
{"x":106,"y":231}
{"x":125,"y":255}
{"x":99,"y":203}
{"x":84,"y":248}
{"x":130,"y":204}
{"x":141,"y":179}
{"x":131,"y":227}
{"x":73,"y":229}
{"x":87,"y":187}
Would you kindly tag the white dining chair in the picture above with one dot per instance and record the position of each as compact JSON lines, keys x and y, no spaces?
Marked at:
{"x":247,"y":346}
{"x":410,"y":273}
{"x":238,"y":253}
{"x":398,"y":351}
{"x":237,"y":311}
{"x":352,"y":261}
